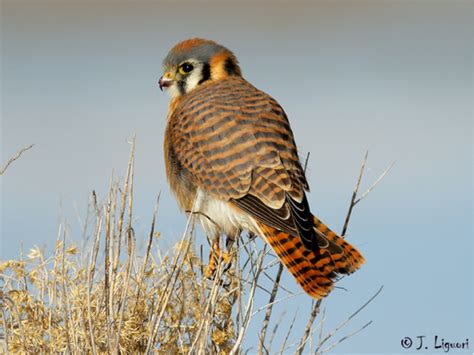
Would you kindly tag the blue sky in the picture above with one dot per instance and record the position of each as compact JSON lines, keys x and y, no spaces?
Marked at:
{"x":394,"y":77}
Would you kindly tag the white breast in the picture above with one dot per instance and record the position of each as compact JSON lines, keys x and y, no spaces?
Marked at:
{"x":218,"y":216}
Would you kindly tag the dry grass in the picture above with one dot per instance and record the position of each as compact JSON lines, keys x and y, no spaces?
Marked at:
{"x":106,"y":298}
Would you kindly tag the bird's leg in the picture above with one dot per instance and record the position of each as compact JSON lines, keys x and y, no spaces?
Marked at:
{"x":211,"y":268}
{"x":251,"y":235}
{"x":216,"y":255}
{"x":229,"y":243}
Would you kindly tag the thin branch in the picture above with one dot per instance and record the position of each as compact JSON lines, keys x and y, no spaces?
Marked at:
{"x":268,"y":312}
{"x":172,"y":279}
{"x":283,"y":346}
{"x":275,"y":329}
{"x":307,"y":331}
{"x":306,"y":162}
{"x":5,"y":329}
{"x":256,"y":270}
{"x":355,"y":199}
{"x":15,"y":157}
{"x":292,"y":295}
{"x":126,"y":186}
{"x":346,"y":337}
{"x":375,"y":183}
{"x":148,"y":248}
{"x":202,"y":214}
{"x":354,"y":194}
{"x":321,"y":327}
{"x":348,"y":319}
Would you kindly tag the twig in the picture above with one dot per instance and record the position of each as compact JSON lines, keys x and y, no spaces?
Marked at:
{"x":344,"y":323}
{"x":15,"y":157}
{"x":209,"y":310}
{"x":374,"y":184}
{"x":124,"y":298}
{"x":275,"y":329}
{"x":171,"y":281}
{"x":148,"y":248}
{"x":14,"y":307}
{"x":107,"y":272}
{"x":283,"y":346}
{"x":202,"y":214}
{"x":321,"y":327}
{"x":65,"y":301}
{"x":292,"y":295}
{"x":256,"y":269}
{"x":126,"y":186}
{"x":355,"y":199}
{"x":346,"y":337}
{"x":307,"y":331}
{"x":268,"y":313}
{"x":354,"y":194}
{"x":306,"y":162}
{"x":5,"y":329}
{"x":91,"y":269}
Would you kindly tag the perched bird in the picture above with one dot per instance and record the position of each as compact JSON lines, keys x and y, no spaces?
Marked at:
{"x":231,"y":158}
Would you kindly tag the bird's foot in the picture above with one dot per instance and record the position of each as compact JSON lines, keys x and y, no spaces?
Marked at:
{"x":216,"y":256}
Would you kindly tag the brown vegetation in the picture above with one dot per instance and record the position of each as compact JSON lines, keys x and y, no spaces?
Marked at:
{"x":104,"y":299}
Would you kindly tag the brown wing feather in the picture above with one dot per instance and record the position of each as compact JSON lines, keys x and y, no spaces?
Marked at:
{"x":236,"y":142}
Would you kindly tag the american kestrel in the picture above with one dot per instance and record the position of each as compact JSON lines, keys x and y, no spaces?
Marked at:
{"x":231,"y":157}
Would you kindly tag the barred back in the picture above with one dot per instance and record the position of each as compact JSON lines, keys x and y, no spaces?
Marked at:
{"x":225,"y":131}
{"x":235,"y":141}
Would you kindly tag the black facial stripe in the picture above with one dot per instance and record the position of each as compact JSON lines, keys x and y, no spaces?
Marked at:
{"x":230,"y":67}
{"x":182,"y":87}
{"x":206,"y":73}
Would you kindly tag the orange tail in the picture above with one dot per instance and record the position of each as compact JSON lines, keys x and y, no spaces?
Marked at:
{"x":314,"y":271}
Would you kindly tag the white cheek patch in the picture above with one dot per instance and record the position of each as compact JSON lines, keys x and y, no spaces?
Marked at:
{"x":173,"y":90}
{"x":193,"y":80}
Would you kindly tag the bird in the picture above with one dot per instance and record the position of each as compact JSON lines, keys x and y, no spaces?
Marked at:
{"x":231,"y":159}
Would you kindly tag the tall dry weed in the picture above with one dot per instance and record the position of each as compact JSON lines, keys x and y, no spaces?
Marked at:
{"x":105,"y":297}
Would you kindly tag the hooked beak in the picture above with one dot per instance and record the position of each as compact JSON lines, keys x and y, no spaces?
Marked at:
{"x":166,"y":80}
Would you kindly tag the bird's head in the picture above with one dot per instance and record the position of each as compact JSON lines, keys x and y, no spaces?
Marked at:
{"x":194,"y":62}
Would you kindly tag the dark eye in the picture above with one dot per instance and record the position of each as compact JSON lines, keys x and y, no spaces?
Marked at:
{"x":186,"y":68}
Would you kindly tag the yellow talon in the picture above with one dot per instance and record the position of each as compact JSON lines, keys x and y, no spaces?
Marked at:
{"x":214,"y":256}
